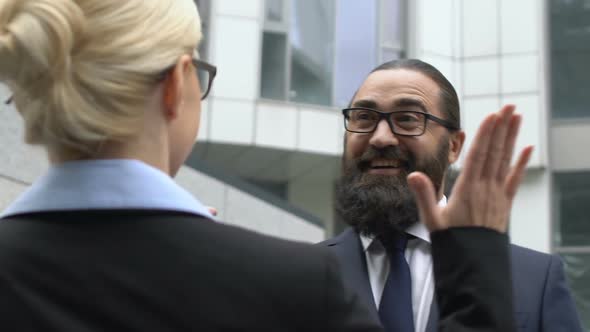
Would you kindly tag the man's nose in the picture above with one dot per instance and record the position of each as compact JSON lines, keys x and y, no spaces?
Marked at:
{"x":383,"y":136}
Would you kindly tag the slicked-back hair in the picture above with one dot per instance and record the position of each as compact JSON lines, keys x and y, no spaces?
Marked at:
{"x":449,"y":102}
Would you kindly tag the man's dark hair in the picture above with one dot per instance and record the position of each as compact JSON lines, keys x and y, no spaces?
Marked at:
{"x":448,"y":95}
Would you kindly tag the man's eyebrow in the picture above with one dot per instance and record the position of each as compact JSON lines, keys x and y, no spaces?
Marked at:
{"x":409,"y":102}
{"x":364,"y":103}
{"x":399,"y":103}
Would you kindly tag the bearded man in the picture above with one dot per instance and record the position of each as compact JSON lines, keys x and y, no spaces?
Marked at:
{"x":404,"y":118}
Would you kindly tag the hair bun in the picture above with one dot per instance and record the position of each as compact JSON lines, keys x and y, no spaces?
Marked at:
{"x":37,"y":38}
{"x":81,"y":70}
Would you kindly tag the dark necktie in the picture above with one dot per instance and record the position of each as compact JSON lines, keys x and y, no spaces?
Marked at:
{"x":395,"y":309}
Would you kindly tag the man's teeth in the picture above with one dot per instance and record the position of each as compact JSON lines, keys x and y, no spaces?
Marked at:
{"x":385,"y":163}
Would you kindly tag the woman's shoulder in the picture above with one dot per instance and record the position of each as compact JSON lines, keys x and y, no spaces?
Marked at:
{"x":160,"y":225}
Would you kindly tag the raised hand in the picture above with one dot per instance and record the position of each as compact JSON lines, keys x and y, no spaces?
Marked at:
{"x":485,"y":189}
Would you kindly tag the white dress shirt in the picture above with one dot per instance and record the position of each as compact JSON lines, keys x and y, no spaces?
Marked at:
{"x":419,"y":259}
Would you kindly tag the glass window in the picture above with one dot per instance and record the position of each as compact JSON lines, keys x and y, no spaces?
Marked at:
{"x":312,"y":51}
{"x":570,"y":48}
{"x":572,"y":234}
{"x":275,"y":10}
{"x":577,"y":268}
{"x":274,"y":55}
{"x":204,"y":7}
{"x":392,"y":24}
{"x":327,"y":47}
{"x":571,"y":196}
{"x":356,"y":47}
{"x":388,"y":54}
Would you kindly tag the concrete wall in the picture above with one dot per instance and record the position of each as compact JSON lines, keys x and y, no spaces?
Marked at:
{"x":234,"y":114}
{"x":530,"y":221}
{"x":242,"y":209}
{"x":492,"y":52}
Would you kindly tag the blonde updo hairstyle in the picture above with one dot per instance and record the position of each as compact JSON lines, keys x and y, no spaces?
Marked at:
{"x":82,"y":70}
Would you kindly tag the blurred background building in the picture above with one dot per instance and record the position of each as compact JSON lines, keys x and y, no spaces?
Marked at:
{"x":269,"y":149}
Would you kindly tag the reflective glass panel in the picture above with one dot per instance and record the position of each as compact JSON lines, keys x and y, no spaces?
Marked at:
{"x":388,"y":54}
{"x":274,"y":66}
{"x":570,"y":50}
{"x":392,"y":23}
{"x":577,"y":268}
{"x":572,"y":197}
{"x":274,"y":10}
{"x":356,"y":47}
{"x":312,"y":51}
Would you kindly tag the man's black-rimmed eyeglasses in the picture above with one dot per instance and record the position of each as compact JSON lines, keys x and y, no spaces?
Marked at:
{"x":403,"y":123}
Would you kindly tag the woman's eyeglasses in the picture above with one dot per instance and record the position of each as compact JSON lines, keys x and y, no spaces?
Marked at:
{"x":205,"y":72}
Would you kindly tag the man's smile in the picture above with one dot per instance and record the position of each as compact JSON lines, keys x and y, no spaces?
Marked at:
{"x":386,"y":166}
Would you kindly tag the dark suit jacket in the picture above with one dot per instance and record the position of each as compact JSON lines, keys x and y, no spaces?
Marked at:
{"x":542,"y":301}
{"x":165,"y":271}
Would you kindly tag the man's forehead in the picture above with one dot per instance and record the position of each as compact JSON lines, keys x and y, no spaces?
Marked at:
{"x":400,"y":76}
{"x":386,"y":87}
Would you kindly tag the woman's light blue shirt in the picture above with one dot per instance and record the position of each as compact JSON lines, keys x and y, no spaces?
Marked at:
{"x":105,"y":184}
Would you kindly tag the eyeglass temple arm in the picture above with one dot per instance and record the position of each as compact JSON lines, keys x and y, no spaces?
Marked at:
{"x":442,"y":122}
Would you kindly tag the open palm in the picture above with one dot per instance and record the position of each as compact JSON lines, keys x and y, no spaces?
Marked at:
{"x":485,"y":189}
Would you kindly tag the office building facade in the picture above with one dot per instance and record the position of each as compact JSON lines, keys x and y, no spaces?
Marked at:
{"x":269,"y":150}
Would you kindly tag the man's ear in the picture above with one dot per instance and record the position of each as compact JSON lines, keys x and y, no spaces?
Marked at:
{"x":173,"y":87}
{"x":456,"y":140}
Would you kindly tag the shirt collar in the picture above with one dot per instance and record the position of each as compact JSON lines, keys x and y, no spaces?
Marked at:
{"x":105,"y":184}
{"x":418,"y":230}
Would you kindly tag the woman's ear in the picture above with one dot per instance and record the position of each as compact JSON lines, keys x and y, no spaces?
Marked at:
{"x":456,"y":141}
{"x":173,"y":87}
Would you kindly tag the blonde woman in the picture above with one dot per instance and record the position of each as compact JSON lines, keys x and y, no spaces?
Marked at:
{"x":105,"y":240}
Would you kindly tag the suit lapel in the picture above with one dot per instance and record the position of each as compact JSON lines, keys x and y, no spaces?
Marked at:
{"x":348,"y":248}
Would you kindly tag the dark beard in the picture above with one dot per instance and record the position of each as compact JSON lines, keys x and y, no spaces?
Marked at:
{"x":379,"y":205}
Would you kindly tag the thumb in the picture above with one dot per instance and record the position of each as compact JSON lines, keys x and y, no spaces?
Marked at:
{"x":423,"y":190}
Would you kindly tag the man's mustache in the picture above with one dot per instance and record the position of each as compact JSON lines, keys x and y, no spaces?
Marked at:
{"x":390,"y":152}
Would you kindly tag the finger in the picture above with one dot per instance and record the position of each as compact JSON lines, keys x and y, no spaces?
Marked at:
{"x":513,"y":130}
{"x":515,"y":176}
{"x":423,"y":190}
{"x":476,"y":156}
{"x":212,"y":210}
{"x":497,"y":143}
